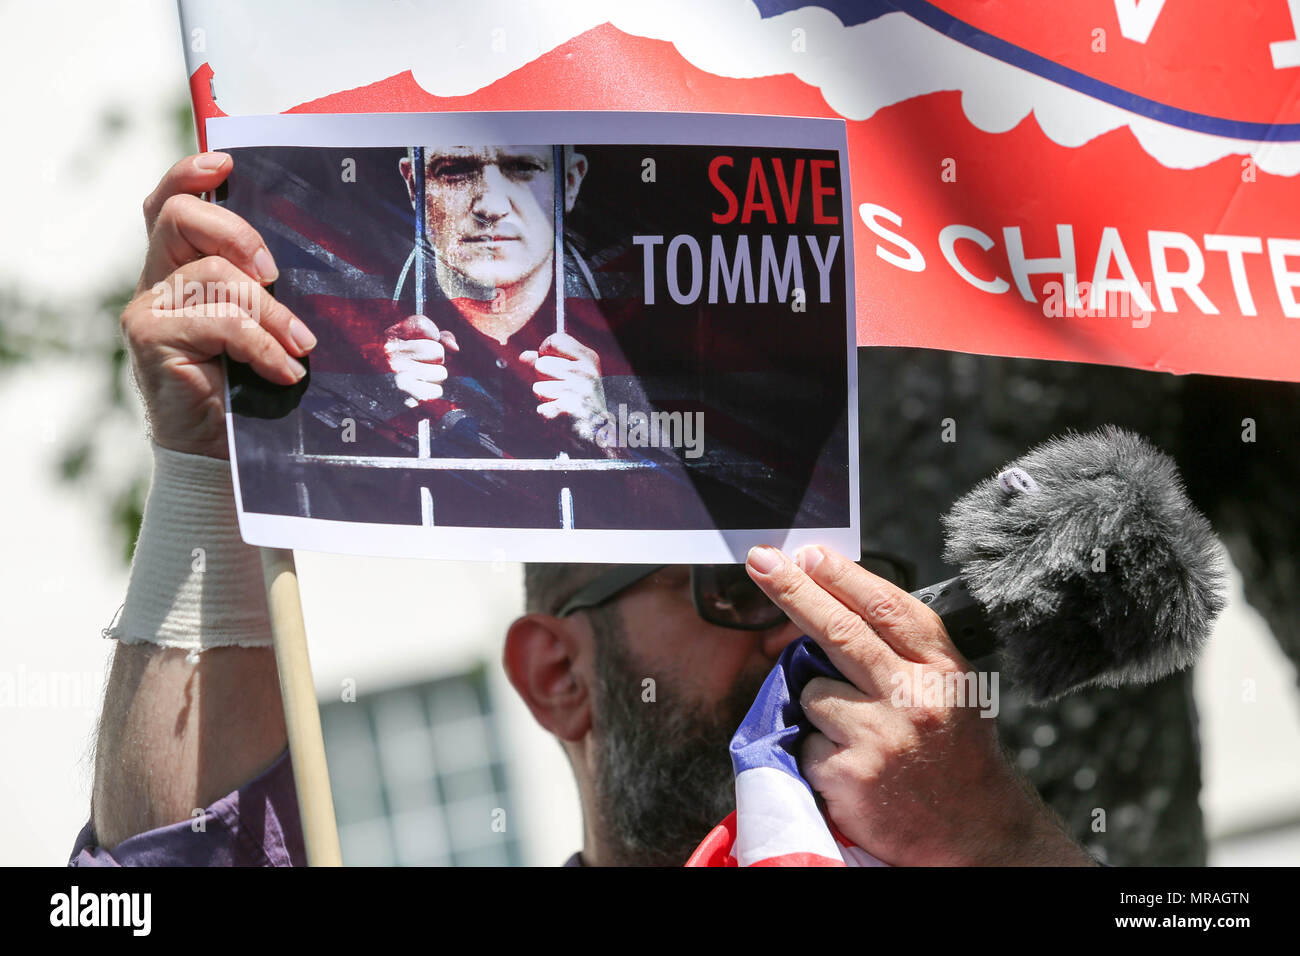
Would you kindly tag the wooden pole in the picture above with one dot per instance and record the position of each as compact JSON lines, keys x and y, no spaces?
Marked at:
{"x":301,"y":712}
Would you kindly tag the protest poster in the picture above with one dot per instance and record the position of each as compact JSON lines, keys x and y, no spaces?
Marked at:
{"x":677,"y":385}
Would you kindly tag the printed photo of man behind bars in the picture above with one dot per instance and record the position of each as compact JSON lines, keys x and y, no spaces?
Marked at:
{"x":486,"y":358}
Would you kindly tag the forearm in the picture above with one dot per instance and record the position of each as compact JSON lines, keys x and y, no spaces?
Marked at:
{"x":176,"y":736}
{"x":1032,"y":833}
{"x":1044,"y":842}
{"x":192,"y":707}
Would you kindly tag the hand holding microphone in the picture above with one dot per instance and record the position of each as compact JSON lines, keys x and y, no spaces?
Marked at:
{"x":1083,"y":563}
{"x":918,"y":785}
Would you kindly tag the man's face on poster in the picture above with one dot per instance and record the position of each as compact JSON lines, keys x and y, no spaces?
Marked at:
{"x":489,"y":211}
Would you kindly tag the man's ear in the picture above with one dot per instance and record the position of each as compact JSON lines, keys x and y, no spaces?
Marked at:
{"x":547,"y":661}
{"x":574,"y":171}
{"x":408,"y":173}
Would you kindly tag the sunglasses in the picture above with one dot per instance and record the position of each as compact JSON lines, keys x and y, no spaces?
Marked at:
{"x":724,"y":594}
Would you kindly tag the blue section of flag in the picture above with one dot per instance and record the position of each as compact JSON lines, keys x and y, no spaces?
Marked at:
{"x":771,"y":732}
{"x":850,"y":12}
{"x":854,"y":12}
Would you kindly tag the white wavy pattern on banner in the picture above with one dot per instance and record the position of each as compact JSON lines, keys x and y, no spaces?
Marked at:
{"x":270,"y":55}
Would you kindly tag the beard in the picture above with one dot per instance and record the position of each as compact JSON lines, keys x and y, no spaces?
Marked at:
{"x":663,"y":773}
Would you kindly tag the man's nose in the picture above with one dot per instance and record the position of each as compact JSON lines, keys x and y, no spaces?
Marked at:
{"x":492,"y":202}
{"x":777,"y":639}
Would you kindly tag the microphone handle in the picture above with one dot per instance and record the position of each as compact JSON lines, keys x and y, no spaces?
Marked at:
{"x":962,"y":615}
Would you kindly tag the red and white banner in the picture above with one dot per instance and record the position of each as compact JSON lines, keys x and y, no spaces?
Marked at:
{"x":1112,"y":181}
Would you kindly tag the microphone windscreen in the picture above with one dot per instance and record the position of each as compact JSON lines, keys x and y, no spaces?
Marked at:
{"x":1091,"y":563}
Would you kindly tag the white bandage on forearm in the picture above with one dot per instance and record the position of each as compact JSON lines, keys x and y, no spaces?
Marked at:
{"x":194,"y":583}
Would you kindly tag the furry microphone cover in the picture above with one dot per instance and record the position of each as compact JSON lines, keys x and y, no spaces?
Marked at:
{"x":1091,"y":563}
